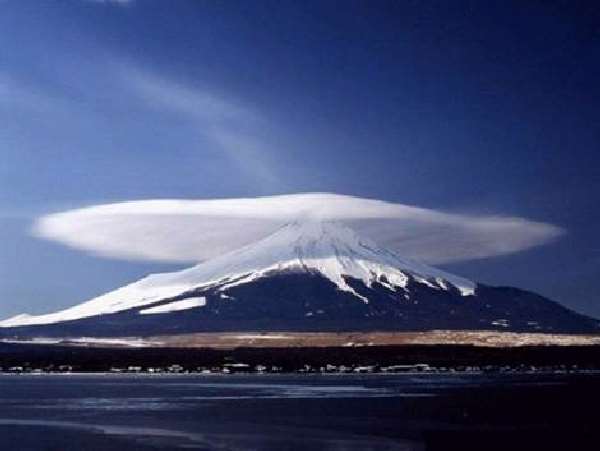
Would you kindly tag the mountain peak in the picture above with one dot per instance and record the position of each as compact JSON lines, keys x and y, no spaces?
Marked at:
{"x":325,"y":247}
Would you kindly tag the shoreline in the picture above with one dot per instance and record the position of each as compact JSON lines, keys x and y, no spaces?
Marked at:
{"x":280,"y":339}
{"x":495,"y":374}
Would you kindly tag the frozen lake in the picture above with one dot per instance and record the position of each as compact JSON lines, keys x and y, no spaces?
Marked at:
{"x":303,"y":412}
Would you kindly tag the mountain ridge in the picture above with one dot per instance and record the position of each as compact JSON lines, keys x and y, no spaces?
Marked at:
{"x":312,"y":276}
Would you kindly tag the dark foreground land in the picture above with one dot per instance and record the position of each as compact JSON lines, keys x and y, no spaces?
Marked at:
{"x":407,"y":412}
{"x":460,"y":357}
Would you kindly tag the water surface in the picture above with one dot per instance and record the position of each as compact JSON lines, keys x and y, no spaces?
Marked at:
{"x":297,"y":412}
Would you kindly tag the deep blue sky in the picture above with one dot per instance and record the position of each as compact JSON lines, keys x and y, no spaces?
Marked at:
{"x":483,"y":107}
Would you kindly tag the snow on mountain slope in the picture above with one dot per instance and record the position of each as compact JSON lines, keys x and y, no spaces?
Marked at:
{"x":329,"y":248}
{"x":175,"y":306}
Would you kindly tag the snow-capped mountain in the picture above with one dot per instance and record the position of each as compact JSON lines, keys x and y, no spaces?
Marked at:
{"x":305,"y":276}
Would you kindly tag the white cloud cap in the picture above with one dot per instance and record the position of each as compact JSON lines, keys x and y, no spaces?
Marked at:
{"x":173,"y":230}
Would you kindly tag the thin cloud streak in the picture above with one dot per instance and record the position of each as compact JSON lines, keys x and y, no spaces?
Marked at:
{"x":228,"y":127}
{"x":234,"y":128}
{"x":196,"y":230}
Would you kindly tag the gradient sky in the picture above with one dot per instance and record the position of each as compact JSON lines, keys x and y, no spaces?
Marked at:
{"x":468,"y":107}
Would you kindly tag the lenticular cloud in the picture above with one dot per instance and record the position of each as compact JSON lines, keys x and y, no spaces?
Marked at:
{"x":196,"y":230}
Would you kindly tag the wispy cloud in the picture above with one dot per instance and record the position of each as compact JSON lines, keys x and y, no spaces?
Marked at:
{"x":234,"y":128}
{"x":195,"y":230}
{"x":225,"y":126}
